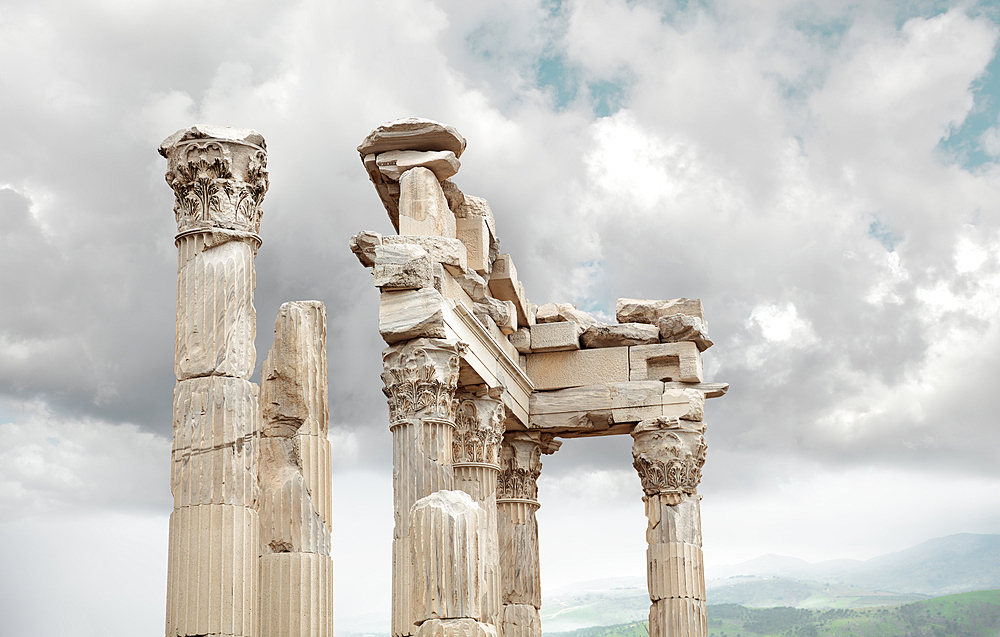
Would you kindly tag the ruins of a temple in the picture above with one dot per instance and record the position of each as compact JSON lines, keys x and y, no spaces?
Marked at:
{"x":480,"y":384}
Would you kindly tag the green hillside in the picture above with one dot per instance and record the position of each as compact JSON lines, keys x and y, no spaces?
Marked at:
{"x":975,"y":614}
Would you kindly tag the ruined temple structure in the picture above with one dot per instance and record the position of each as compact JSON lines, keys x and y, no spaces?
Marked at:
{"x":480,"y":385}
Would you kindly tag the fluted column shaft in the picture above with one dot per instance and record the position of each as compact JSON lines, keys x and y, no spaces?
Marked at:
{"x":478,"y":433}
{"x":296,"y":570}
{"x":668,"y":455}
{"x":420,"y":378}
{"x":517,"y":531}
{"x":219,"y":178}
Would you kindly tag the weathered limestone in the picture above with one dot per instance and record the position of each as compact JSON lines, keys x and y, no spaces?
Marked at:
{"x":423,"y":210}
{"x":681,"y":327}
{"x":555,"y":337}
{"x":475,"y":234}
{"x":296,"y":570}
{"x":402,"y":267}
{"x":666,"y":361}
{"x":556,"y":312}
{"x":420,"y":378}
{"x":621,"y":335}
{"x":668,"y":455}
{"x":650,"y":311}
{"x":409,"y":314}
{"x":442,"y":163}
{"x":517,"y":528}
{"x":219,"y":178}
{"x":479,"y":426}
{"x":521,"y":340}
{"x":505,"y":286}
{"x":558,"y":370}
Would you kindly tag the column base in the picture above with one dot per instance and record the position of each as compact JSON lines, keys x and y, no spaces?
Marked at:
{"x":455,"y":628}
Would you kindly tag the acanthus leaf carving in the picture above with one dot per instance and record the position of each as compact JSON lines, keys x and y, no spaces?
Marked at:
{"x":420,"y":379}
{"x":478,"y":430}
{"x":668,"y":458}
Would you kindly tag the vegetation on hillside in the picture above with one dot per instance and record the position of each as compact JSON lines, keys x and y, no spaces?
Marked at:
{"x":974,"y":614}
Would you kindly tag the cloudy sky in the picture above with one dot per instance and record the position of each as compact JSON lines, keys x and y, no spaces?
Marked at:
{"x":824,"y":175}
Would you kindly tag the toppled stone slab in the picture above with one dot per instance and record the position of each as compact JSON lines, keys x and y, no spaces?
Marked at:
{"x":555,"y":337}
{"x":408,"y":314}
{"x":363,"y":246}
{"x":412,"y":133}
{"x":621,"y":335}
{"x":681,"y":327}
{"x":402,"y":267}
{"x":645,"y":311}
{"x":447,"y":251}
{"x":443,"y":163}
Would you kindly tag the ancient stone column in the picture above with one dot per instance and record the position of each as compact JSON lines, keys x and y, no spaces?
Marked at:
{"x":517,"y":530}
{"x":668,"y":455}
{"x":421,"y":376}
{"x":219,"y":178}
{"x":296,"y":570}
{"x":479,"y":425}
{"x":448,"y":578}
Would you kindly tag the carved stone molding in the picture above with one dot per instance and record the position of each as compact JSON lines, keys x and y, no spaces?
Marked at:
{"x":521,"y":464}
{"x":219,"y":177}
{"x":668,"y":457}
{"x":420,"y":378}
{"x":479,"y":425}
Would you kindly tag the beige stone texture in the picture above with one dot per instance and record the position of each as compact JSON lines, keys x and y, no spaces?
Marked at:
{"x":555,"y":337}
{"x":402,"y":267}
{"x":674,"y":617}
{"x":455,"y":197}
{"x":502,"y":313}
{"x":412,"y":133}
{"x":666,"y":362}
{"x":557,"y":312}
{"x":472,"y":284}
{"x":504,"y":285}
{"x":423,"y":210}
{"x":684,"y":404}
{"x":650,"y":311}
{"x":521,"y":340}
{"x":407,"y":314}
{"x":473,"y":232}
{"x":212,"y":575}
{"x":558,"y":370}
{"x":681,"y":327}
{"x":363,"y":246}
{"x":520,"y":620}
{"x":214,"y":456}
{"x":296,"y":598}
{"x":393,"y":163}
{"x":216,"y":319}
{"x":470,"y":207}
{"x":636,"y":400}
{"x":446,"y":547}
{"x":463,"y":627}
{"x":595,"y":409}
{"x":447,"y":251}
{"x":622,"y":335}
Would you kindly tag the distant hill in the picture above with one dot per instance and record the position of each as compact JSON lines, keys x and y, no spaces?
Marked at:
{"x":945,"y":565}
{"x":974,"y":614}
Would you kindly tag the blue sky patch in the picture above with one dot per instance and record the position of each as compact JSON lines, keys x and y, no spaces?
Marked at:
{"x":963,"y":143}
{"x":885,"y":235}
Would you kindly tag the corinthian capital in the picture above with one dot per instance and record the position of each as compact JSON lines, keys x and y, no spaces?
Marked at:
{"x":421,"y":377}
{"x":219,"y":177}
{"x":521,"y":464}
{"x":479,"y":424}
{"x":668,"y":457}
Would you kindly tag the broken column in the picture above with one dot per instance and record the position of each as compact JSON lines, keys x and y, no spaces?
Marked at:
{"x":296,"y":570}
{"x":421,"y":376}
{"x":479,"y":425}
{"x":517,"y":530}
{"x":669,"y":454}
{"x":447,"y":551}
{"x":219,"y":179}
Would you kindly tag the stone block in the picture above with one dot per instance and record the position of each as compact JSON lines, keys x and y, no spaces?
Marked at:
{"x":423,"y":209}
{"x":502,"y":313}
{"x":402,"y":267}
{"x":470,"y":207}
{"x":683,"y":404}
{"x":557,"y":312}
{"x":578,"y":408}
{"x":521,"y":340}
{"x":459,"y":627}
{"x":636,"y":400}
{"x":555,"y":337}
{"x":393,"y":163}
{"x":363,"y":246}
{"x":559,"y":370}
{"x":665,"y":362}
{"x":412,"y":133}
{"x":505,"y":286}
{"x":409,"y":314}
{"x":682,"y":327}
{"x":448,"y":252}
{"x":645,"y":311}
{"x":621,"y":335}
{"x":472,"y":231}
